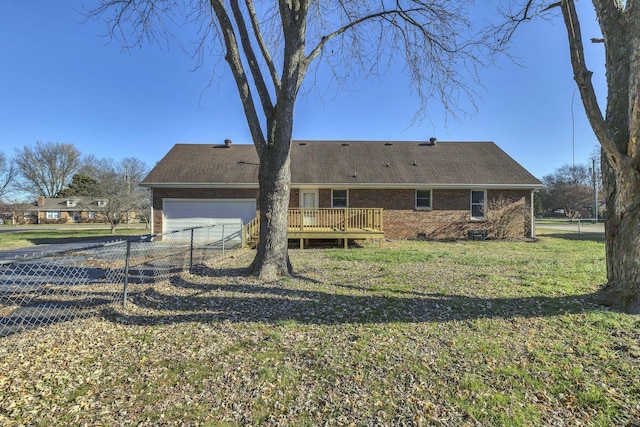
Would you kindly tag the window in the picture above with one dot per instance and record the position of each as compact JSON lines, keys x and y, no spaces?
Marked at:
{"x":91,"y":215}
{"x":53,"y":214}
{"x":72,"y":203}
{"x":338,"y":198}
{"x":478,"y":204}
{"x":423,"y":199}
{"x":101,"y":203}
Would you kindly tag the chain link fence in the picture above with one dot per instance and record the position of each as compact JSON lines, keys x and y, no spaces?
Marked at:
{"x":60,"y":286}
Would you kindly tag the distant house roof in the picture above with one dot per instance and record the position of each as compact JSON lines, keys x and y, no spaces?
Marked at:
{"x":78,"y":203}
{"x":347,"y":163}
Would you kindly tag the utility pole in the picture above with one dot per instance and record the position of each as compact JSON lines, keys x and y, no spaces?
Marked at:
{"x":595,"y":189}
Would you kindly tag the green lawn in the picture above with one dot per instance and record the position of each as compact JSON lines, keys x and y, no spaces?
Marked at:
{"x":415,"y":333}
{"x":62,"y":234}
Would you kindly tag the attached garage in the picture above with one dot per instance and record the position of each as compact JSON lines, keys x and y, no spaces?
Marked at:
{"x":230,"y":213}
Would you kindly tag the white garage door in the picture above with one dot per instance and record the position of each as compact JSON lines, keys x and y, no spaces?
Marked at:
{"x":232,"y":213}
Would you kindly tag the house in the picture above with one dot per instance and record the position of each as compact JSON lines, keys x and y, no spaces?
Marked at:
{"x":423,"y":189}
{"x":69,"y":209}
{"x":18,"y":213}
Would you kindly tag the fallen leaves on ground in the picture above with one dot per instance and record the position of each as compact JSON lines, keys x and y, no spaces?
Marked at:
{"x":426,"y":342}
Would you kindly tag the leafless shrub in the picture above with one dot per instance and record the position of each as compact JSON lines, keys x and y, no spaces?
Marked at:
{"x":507,"y":218}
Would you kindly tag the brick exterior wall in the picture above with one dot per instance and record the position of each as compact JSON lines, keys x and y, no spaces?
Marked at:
{"x":448,"y":218}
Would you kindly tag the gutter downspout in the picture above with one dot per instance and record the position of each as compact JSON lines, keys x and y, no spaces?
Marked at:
{"x":151,"y":228}
{"x":533,"y":217}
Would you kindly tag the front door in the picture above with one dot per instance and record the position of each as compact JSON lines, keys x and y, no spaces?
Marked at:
{"x":309,"y":204}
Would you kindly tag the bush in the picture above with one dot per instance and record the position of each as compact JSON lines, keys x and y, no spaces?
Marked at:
{"x":507,"y":218}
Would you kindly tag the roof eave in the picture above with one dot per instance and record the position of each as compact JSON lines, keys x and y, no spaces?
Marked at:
{"x":367,"y":185}
{"x":197,"y":185}
{"x":447,"y":186}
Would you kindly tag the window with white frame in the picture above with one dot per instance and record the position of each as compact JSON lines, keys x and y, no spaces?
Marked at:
{"x":339,"y":199}
{"x":101,"y":203}
{"x":91,"y":215}
{"x":53,"y":215}
{"x":423,"y":199}
{"x":478,"y":204}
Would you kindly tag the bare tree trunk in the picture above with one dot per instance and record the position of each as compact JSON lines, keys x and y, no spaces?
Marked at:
{"x":621,"y":175}
{"x":619,"y":135}
{"x":272,"y":256}
{"x":623,"y":240}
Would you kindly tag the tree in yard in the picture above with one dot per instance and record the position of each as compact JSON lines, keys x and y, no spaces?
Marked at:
{"x":114,"y":184}
{"x":618,"y":130}
{"x":8,"y":173}
{"x":46,"y":168}
{"x":81,"y":185}
{"x":118,"y":187}
{"x":270,"y":47}
{"x":568,"y":187}
{"x":134,"y":170}
{"x":537,"y":204}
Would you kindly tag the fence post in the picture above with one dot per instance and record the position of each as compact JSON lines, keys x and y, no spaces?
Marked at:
{"x":191,"y":253}
{"x":126,"y":275}
{"x":222,"y":239}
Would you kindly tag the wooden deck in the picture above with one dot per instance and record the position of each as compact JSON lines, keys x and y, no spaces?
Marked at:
{"x":326,"y":224}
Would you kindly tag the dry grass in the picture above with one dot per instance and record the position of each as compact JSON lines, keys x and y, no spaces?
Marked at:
{"x":416,"y":333}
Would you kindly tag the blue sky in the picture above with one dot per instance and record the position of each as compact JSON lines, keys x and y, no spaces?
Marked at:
{"x":63,"y":82}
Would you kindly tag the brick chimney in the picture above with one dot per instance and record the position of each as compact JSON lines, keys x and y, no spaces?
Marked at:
{"x":41,"y":200}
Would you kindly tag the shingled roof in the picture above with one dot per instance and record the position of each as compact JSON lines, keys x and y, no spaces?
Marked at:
{"x":349,"y":163}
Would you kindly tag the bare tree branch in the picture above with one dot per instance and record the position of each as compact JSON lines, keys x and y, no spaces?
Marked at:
{"x":531,"y":10}
{"x":294,"y":18}
{"x":582,"y":77}
{"x":237,"y":69}
{"x":262,"y":45}
{"x":8,"y":174}
{"x":254,"y":66}
{"x":47,"y":168}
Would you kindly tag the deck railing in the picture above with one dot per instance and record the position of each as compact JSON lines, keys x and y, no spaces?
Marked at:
{"x":251,"y":232}
{"x":335,"y":219}
{"x":325,"y":220}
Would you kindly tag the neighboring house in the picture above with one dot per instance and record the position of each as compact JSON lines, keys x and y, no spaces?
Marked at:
{"x":69,"y":209}
{"x":18,"y":213}
{"x":425,"y":190}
